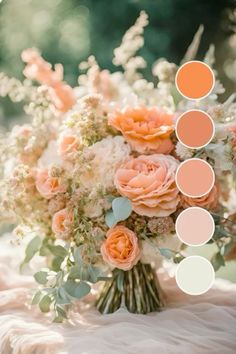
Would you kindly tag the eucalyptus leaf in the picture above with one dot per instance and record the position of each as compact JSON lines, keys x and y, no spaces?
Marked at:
{"x":76,"y":290}
{"x":77,"y":255}
{"x":165,"y":252}
{"x":56,"y":263}
{"x":58,"y":251}
{"x":122,"y":208}
{"x":62,"y":297}
{"x":31,"y":249}
{"x":110,"y":219}
{"x":217,"y":261}
{"x":94,"y":273}
{"x":36,"y":298}
{"x":41,"y":277}
{"x":74,"y":272}
{"x":44,"y":303}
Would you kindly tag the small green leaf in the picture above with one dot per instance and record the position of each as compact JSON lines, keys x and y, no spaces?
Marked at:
{"x":36,"y":298}
{"x":31,"y":249}
{"x":110,"y":219}
{"x":93,"y":273}
{"x":217,"y":261}
{"x":122,"y":208}
{"x":58,"y":251}
{"x":41,"y":277}
{"x":77,"y":255}
{"x":56,"y":264}
{"x":74,"y":272}
{"x":61,"y":315}
{"x":44,"y":303}
{"x":76,"y":290}
{"x":62,"y":297}
{"x":165,"y":252}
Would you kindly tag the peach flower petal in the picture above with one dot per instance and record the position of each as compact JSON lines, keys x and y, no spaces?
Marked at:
{"x":147,"y":130}
{"x":120,"y":249}
{"x":49,"y":186}
{"x":149,"y":182}
{"x":209,"y":201}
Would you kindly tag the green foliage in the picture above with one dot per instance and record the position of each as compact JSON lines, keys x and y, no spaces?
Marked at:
{"x":217,"y":261}
{"x":44,"y":303}
{"x":121,"y":210}
{"x":76,"y":289}
{"x":41,"y":277}
{"x":32,"y":248}
{"x":69,"y":31}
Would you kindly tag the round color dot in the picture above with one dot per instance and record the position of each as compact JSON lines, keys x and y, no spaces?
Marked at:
{"x":195,"y":129}
{"x":195,"y":226}
{"x":195,"y":80}
{"x":195,"y":275}
{"x":195,"y":178}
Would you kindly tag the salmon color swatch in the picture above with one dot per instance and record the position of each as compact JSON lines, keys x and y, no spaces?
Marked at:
{"x":195,"y":80}
{"x":195,"y":129}
{"x":195,"y":178}
{"x":195,"y":226}
{"x":195,"y":275}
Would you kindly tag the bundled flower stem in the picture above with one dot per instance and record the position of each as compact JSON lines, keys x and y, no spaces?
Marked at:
{"x":137,"y":289}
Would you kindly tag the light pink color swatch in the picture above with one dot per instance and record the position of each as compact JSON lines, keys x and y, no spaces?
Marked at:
{"x":195,"y":226}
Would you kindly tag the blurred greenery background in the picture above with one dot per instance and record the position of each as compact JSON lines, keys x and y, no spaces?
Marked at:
{"x":68,"y":31}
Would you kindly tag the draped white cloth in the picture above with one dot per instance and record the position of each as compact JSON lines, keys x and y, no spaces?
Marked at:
{"x":189,"y":325}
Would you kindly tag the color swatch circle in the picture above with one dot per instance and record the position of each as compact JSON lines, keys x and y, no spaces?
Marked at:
{"x":195,"y":226}
{"x":195,"y":80}
{"x":195,"y":129}
{"x":195,"y":275}
{"x":195,"y":178}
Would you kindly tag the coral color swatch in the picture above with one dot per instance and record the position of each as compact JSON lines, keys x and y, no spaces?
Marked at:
{"x":195,"y":80}
{"x":195,"y":129}
{"x":195,"y":226}
{"x":195,"y":178}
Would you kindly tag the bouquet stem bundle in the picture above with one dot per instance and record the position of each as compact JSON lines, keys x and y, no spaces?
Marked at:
{"x":137,"y":289}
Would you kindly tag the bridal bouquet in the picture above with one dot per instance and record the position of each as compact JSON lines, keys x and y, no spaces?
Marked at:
{"x":91,"y":176}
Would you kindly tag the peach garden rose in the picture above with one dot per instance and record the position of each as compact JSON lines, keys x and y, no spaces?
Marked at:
{"x":149,"y":183}
{"x":208,"y":201}
{"x":68,"y":145}
{"x":147,"y":130}
{"x":62,"y":222}
{"x":120,"y":249}
{"x":49,"y":186}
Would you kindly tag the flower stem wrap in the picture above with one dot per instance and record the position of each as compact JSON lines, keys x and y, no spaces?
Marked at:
{"x":137,"y":289}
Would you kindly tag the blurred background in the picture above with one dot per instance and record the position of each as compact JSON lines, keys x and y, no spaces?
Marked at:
{"x":68,"y":31}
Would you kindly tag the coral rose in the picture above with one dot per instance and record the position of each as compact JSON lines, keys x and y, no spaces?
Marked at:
{"x":208,"y":201}
{"x":149,"y":183}
{"x":68,"y":145}
{"x":147,"y":130}
{"x":120,"y":249}
{"x":62,"y":222}
{"x":49,"y":186}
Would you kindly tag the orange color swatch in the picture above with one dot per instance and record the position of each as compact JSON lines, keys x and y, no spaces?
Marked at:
{"x":195,"y":80}
{"x":195,"y":178}
{"x":195,"y":129}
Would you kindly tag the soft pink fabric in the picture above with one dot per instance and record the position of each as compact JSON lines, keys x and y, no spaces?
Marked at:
{"x":189,"y":325}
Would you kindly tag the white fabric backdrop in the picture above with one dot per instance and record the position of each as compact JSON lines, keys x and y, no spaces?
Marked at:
{"x":189,"y":325}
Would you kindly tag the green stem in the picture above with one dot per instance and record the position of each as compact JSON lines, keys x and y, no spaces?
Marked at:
{"x":141,"y":292}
